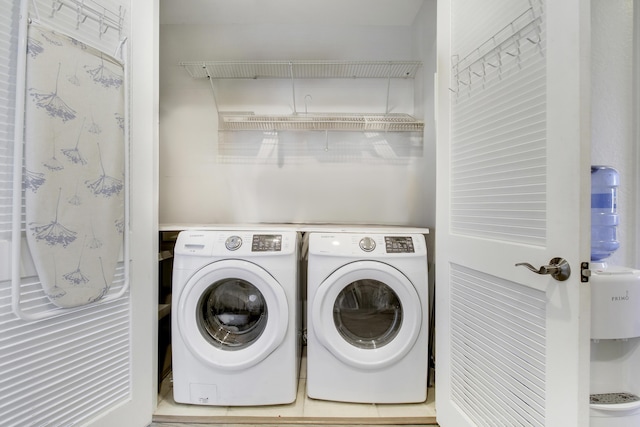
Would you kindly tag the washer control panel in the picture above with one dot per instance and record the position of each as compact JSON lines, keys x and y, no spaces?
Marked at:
{"x":266,"y":243}
{"x":398,"y":244}
{"x":236,"y":243}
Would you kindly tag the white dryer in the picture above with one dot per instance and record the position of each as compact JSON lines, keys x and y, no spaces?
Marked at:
{"x":367,"y":336}
{"x":235,"y":320}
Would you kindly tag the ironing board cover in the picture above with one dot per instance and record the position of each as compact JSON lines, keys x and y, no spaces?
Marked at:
{"x":74,"y":166}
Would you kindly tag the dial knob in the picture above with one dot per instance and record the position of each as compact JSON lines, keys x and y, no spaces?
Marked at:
{"x":367,"y":244}
{"x":233,"y":242}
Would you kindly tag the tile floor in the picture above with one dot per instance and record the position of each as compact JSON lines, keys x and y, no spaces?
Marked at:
{"x":303,"y":411}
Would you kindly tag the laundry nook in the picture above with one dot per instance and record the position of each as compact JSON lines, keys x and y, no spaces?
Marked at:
{"x":320,"y":212}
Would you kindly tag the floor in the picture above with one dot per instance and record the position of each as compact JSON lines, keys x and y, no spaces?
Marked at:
{"x":304,"y":412}
{"x":275,"y":424}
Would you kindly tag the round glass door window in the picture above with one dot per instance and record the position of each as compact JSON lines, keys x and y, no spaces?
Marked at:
{"x":232,"y":314}
{"x":367,"y":314}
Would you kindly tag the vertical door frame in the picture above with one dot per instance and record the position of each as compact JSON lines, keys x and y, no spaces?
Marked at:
{"x":144,"y":106}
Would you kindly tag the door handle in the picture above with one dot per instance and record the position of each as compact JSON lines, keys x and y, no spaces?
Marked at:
{"x":558,"y":268}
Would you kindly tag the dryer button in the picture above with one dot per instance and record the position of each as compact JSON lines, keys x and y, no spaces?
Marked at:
{"x":232,"y":243}
{"x":367,"y":244}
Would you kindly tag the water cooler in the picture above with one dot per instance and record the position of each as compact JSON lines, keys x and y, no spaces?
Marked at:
{"x":615,"y":315}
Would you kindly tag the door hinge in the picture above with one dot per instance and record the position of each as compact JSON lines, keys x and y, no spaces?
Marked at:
{"x":585,"y":273}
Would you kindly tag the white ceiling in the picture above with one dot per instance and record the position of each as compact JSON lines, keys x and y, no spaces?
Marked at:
{"x":313,"y":12}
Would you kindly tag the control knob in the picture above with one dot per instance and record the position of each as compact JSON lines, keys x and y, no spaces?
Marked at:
{"x":367,"y":244}
{"x":233,"y":242}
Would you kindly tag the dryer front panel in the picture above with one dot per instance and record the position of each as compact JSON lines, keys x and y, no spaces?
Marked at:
{"x":232,"y":314}
{"x":367,"y":314}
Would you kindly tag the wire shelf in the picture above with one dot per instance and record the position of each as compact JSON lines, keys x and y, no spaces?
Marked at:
{"x":327,"y":121}
{"x":293,"y":70}
{"x":301,"y":69}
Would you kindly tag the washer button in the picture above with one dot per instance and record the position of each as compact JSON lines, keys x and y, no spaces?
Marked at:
{"x":367,"y":244}
{"x":233,"y":242}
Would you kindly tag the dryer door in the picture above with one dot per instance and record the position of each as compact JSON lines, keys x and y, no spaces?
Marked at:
{"x":232,"y":314}
{"x":367,"y":313}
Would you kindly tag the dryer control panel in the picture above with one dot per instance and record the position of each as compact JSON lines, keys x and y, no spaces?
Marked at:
{"x":367,"y":244}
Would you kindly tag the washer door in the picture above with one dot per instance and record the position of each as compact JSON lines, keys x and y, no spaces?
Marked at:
{"x":232,"y":314}
{"x":367,"y":313}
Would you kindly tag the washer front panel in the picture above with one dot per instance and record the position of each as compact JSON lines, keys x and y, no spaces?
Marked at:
{"x":348,"y":295}
{"x":232,"y":314}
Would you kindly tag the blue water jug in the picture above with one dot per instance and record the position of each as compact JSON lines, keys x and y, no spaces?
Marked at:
{"x":604,"y":212}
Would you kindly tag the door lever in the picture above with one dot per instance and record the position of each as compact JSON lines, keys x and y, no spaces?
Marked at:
{"x":558,"y":268}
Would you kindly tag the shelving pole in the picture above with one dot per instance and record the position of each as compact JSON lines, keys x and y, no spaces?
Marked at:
{"x":386,"y":110}
{"x":293,"y":87}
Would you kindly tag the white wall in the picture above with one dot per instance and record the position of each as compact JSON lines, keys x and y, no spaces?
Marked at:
{"x":613,"y":139}
{"x":303,"y":179}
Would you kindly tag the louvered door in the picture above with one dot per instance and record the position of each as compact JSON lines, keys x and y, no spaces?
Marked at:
{"x":513,"y":185}
{"x":93,"y":365}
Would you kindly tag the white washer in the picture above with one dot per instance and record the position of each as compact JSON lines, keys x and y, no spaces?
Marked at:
{"x":235,"y":319}
{"x":367,"y":336}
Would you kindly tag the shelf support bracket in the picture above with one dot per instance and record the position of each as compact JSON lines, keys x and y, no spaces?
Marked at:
{"x":213,"y":89}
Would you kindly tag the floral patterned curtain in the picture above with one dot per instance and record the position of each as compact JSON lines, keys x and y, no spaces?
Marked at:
{"x":74,"y":166}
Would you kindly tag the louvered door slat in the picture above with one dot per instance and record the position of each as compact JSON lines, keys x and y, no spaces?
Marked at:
{"x":498,"y":342}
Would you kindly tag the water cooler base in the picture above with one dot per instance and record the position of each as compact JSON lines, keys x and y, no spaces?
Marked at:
{"x":615,"y":410}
